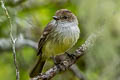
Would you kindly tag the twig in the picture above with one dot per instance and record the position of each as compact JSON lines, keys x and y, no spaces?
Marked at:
{"x":68,"y":61}
{"x":13,"y":41}
{"x":5,"y":43}
{"x":77,"y":72}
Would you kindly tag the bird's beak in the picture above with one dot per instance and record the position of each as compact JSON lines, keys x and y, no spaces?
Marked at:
{"x":55,"y":18}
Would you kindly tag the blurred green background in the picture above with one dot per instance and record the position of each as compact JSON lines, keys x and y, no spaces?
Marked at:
{"x":29,"y":17}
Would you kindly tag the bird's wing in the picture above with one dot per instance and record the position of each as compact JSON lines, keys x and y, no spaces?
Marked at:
{"x":44,"y":37}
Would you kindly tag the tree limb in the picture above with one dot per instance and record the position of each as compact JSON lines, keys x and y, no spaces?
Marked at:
{"x":77,"y":72}
{"x":5,"y":43}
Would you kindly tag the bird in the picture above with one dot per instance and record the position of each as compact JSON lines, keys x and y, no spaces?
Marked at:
{"x":60,"y":35}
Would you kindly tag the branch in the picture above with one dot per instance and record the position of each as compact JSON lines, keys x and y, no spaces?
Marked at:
{"x":5,"y":43}
{"x":77,"y":72}
{"x":68,"y":61}
{"x":13,"y":41}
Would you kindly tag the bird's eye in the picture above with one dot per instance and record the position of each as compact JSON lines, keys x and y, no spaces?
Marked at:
{"x":65,"y":17}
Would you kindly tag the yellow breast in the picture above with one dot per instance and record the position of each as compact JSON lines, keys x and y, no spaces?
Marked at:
{"x":52,"y":48}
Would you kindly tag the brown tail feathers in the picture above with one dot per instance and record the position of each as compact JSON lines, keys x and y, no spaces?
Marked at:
{"x":38,"y":67}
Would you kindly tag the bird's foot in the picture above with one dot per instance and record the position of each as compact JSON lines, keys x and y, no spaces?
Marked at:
{"x":71,"y":56}
{"x":54,"y":60}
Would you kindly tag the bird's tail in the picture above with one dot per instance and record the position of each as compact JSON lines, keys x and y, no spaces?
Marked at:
{"x":38,"y":67}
